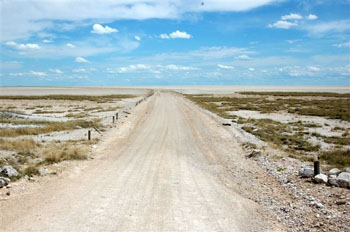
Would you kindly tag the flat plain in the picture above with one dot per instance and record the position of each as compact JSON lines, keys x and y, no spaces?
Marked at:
{"x":175,"y":158}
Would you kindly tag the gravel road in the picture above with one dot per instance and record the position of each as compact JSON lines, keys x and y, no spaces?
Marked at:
{"x":162,"y":169}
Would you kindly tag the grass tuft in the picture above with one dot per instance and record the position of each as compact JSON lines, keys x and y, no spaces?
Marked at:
{"x":339,"y":158}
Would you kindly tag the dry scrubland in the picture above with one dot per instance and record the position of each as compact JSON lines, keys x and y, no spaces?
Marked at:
{"x":39,"y":130}
{"x":301,"y":124}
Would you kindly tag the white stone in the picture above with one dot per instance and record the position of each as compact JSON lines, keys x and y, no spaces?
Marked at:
{"x":334,"y":171}
{"x":9,"y":171}
{"x":343,"y":179}
{"x":307,"y":171}
{"x":321,"y":178}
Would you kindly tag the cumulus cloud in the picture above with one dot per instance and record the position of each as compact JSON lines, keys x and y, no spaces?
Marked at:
{"x":282,"y":24}
{"x":70,"y":45}
{"x":138,"y":38}
{"x":22,"y":46}
{"x":132,"y":68}
{"x":312,"y":17}
{"x":222,"y":66}
{"x":176,"y":35}
{"x":81,"y":60}
{"x":251,"y":69}
{"x":38,"y":74}
{"x":291,"y":16}
{"x":99,"y":29}
{"x":57,"y":71}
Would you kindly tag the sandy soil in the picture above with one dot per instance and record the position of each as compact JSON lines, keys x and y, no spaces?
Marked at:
{"x":139,"y":90}
{"x":165,"y":167}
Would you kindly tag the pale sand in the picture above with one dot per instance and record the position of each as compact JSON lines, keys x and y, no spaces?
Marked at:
{"x":139,"y":90}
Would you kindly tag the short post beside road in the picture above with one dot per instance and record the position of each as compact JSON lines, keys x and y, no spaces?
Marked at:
{"x":89,"y":134}
{"x":113,"y":119}
{"x":317,"y":169}
{"x":116,"y":116}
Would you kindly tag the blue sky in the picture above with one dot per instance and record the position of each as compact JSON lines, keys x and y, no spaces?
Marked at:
{"x":174,"y":42}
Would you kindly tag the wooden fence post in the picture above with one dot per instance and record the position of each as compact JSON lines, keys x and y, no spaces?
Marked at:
{"x":89,"y":134}
{"x":317,"y":166}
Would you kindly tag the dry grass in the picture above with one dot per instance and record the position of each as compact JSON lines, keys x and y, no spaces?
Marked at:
{"x":108,"y":109}
{"x":31,"y":170}
{"x":337,"y":108}
{"x":339,"y":158}
{"x":78,"y":115}
{"x":52,"y":127}
{"x":48,"y":112}
{"x":23,"y":121}
{"x":19,"y":145}
{"x":298,"y":94}
{"x":98,"y":99}
{"x":290,"y":137}
{"x":55,"y":153}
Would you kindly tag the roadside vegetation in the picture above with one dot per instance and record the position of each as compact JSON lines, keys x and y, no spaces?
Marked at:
{"x":295,"y":138}
{"x":50,"y":127}
{"x":298,"y":94}
{"x":98,"y":99}
{"x":24,"y":118}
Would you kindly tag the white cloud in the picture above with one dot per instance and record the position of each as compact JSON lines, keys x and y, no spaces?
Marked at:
{"x":79,"y":70}
{"x":326,"y":27}
{"x":342,"y":45}
{"x":222,"y":66}
{"x":38,"y":74}
{"x":138,"y":38}
{"x":16,"y":74}
{"x":292,"y":41}
{"x":70,"y":45}
{"x":179,"y":68}
{"x":291,"y":16}
{"x":176,"y":35}
{"x":304,"y":71}
{"x":57,"y":71}
{"x":313,"y":68}
{"x":81,"y":60}
{"x":22,"y":46}
{"x":47,"y":41}
{"x":164,"y":36}
{"x":99,"y":29}
{"x":132,"y":68}
{"x":33,"y":16}
{"x":243,"y":57}
{"x":312,"y":17}
{"x":282,"y":24}
{"x":251,"y":69}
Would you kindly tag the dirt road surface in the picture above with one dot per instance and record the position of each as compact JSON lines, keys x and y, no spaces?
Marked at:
{"x":163,"y":169}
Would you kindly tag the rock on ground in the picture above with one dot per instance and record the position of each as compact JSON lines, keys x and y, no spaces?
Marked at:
{"x":343,"y":180}
{"x":321,"y":178}
{"x":4,"y":181}
{"x":307,"y":172}
{"x":334,"y":171}
{"x":9,"y":171}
